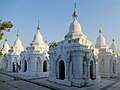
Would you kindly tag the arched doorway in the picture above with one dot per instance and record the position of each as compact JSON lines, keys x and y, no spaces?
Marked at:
{"x":114,"y":67}
{"x":84,"y":70}
{"x":20,"y":62}
{"x":61,"y":70}
{"x":20,"y":66}
{"x":25,"y":66}
{"x":102,"y":66}
{"x":17,"y":67}
{"x":13,"y":65}
{"x":37,"y":65}
{"x":6,"y":63}
{"x":45,"y":66}
{"x":91,"y":70}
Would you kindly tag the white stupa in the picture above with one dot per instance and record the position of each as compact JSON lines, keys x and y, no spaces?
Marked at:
{"x":100,"y":41}
{"x":113,"y":45}
{"x":75,"y":30}
{"x":38,"y":43}
{"x":17,"y":47}
{"x":5,"y":47}
{"x":34,"y":61}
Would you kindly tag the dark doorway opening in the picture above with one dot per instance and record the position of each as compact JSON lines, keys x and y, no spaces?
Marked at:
{"x":61,"y":70}
{"x":25,"y":66}
{"x":114,"y":68}
{"x":91,"y":70}
{"x":13,"y":64}
{"x":45,"y":66}
{"x":17,"y":67}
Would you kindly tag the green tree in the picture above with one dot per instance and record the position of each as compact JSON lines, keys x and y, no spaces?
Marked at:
{"x":53,"y":44}
{"x":1,"y":53}
{"x":5,"y":26}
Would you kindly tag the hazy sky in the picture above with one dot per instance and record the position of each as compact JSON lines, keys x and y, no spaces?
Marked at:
{"x":56,"y":15}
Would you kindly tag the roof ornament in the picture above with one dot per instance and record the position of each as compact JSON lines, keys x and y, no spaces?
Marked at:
{"x":100,"y":30}
{"x":113,"y":40}
{"x":46,"y":41}
{"x":74,"y":13}
{"x":38,"y":27}
{"x":17,"y":33}
{"x":6,"y":39}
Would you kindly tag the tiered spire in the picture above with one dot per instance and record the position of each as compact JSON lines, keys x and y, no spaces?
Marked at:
{"x":38,"y":27}
{"x":100,"y":30}
{"x":46,"y":40}
{"x":74,"y":13}
{"x":38,"y":42}
{"x":38,"y":37}
{"x":75,"y":30}
{"x":18,"y":47}
{"x":113,"y":40}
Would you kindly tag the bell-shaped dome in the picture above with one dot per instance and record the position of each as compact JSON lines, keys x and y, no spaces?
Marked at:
{"x":75,"y":27}
{"x":113,"y":45}
{"x":38,"y":43}
{"x":5,"y":47}
{"x":18,"y":47}
{"x":100,"y":41}
{"x":38,"y":37}
{"x":75,"y":30}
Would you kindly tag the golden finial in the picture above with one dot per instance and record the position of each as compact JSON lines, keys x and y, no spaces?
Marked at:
{"x":100,"y":30}
{"x":17,"y":33}
{"x":6,"y":39}
{"x":74,"y":13}
{"x":38,"y":27}
{"x":113,"y":40}
{"x":46,"y":40}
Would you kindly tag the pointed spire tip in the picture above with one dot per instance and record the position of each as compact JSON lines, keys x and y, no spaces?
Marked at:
{"x":75,"y":13}
{"x":100,"y":30}
{"x":38,"y":27}
{"x":113,"y":40}
{"x":6,"y":38}
{"x":17,"y":33}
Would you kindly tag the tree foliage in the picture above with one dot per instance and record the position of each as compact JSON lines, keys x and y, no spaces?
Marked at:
{"x":5,"y":26}
{"x":53,"y":44}
{"x":1,"y":53}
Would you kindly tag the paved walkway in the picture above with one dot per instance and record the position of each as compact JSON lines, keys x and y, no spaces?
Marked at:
{"x":8,"y":83}
{"x":105,"y":84}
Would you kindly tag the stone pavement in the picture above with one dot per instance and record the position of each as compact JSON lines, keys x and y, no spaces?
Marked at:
{"x":115,"y":87}
{"x":102,"y":84}
{"x":43,"y":84}
{"x":8,"y":83}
